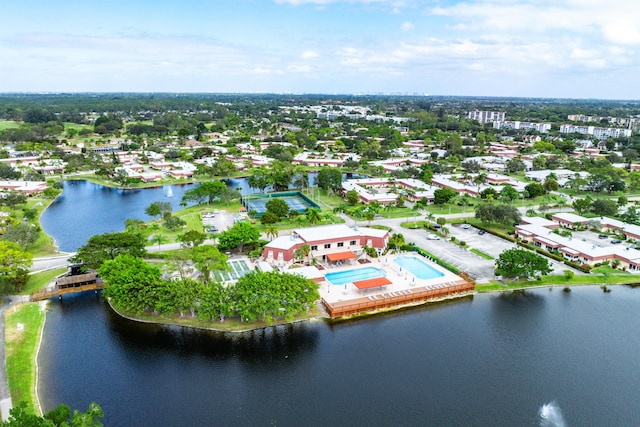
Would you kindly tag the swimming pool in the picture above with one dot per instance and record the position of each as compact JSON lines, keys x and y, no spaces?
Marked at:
{"x":418,"y":268}
{"x":348,"y":276}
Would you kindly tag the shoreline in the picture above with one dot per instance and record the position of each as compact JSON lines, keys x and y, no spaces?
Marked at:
{"x":312,"y":319}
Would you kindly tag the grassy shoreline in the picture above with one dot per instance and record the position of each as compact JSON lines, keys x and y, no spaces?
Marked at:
{"x":22,"y":344}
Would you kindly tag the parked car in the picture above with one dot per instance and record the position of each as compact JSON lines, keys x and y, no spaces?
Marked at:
{"x":615,"y":241}
{"x":481,"y":232}
{"x":466,"y":226}
{"x":603,"y":236}
{"x":432,"y":237}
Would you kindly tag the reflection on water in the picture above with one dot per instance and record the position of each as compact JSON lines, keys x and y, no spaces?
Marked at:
{"x":489,"y":360}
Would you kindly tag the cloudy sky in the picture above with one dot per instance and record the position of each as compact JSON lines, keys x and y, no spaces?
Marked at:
{"x":541,"y":48}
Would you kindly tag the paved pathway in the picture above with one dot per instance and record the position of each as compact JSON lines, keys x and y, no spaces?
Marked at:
{"x":5,"y":397}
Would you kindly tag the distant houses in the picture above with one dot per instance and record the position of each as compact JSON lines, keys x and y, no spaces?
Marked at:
{"x":540,"y":232}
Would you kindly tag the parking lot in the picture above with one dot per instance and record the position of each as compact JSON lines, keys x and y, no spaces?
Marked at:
{"x":479,"y":268}
{"x":592,"y":237}
{"x":219,"y":219}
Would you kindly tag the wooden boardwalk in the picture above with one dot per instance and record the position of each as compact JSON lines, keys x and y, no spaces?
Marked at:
{"x":56,"y":292}
{"x":386,"y":300}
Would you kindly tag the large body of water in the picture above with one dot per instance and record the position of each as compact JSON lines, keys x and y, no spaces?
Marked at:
{"x":85,"y":208}
{"x":488,"y":361}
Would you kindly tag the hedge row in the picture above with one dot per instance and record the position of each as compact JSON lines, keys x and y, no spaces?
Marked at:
{"x":578,"y":266}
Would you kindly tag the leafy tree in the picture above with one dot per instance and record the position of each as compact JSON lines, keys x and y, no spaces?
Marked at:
{"x":534,"y":189}
{"x":508,"y":194}
{"x":269,"y":218}
{"x":57,"y":417}
{"x":260,"y":179}
{"x":471,"y":166}
{"x":270,"y":295}
{"x":503,"y":214}
{"x":604,"y":207}
{"x":107,"y":246}
{"x":443,"y":195}
{"x":329,"y":178}
{"x":13,"y":199}
{"x":240,"y":234}
{"x":550,"y":185}
{"x":352,"y":197}
{"x":582,"y":205}
{"x":14,"y":267}
{"x":131,"y":283}
{"x":158,"y":209}
{"x":192,"y":238}
{"x":8,"y":172}
{"x":22,"y":233}
{"x":634,"y":180}
{"x":173,"y":222}
{"x":521,"y":263}
{"x":206,"y":191}
{"x":514,"y":165}
{"x":489,"y":193}
{"x":278,"y":207}
{"x":215,"y":302}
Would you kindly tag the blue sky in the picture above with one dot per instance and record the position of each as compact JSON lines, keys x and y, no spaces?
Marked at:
{"x":541,"y":48}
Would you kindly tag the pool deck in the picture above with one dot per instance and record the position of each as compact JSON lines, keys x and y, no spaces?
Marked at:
{"x":405,"y":289}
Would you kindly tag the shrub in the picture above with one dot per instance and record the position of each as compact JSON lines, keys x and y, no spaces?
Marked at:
{"x":462,"y":243}
{"x":568,"y":274}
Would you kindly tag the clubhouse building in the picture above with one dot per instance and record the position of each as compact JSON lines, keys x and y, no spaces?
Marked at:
{"x":329,"y":244}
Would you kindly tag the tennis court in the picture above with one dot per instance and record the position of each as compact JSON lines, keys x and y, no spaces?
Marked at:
{"x":295,"y":200}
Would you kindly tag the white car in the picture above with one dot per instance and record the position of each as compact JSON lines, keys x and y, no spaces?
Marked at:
{"x":466,"y":226}
{"x":432,"y":237}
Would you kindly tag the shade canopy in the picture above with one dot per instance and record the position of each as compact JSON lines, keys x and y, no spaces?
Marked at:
{"x":341,"y":256}
{"x":372,"y":283}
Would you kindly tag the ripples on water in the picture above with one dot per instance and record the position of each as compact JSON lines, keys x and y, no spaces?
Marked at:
{"x":484,"y":361}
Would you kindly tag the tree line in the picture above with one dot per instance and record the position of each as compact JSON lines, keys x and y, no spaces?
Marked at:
{"x":135,"y":286}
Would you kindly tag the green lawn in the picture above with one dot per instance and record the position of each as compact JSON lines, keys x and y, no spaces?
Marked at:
{"x":560,"y":281}
{"x":38,"y":281}
{"x":8,"y":124}
{"x":482,"y":254}
{"x":21,"y":347}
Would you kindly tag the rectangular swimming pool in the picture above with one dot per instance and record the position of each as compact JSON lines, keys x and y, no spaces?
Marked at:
{"x":417,"y":267}
{"x":349,"y":276}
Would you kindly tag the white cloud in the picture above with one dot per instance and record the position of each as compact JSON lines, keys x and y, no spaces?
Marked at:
{"x":407,"y":26}
{"x":310,"y":54}
{"x":299,"y":68}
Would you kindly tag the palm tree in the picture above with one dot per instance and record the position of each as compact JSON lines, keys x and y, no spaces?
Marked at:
{"x":416,"y":211}
{"x":396,"y":240}
{"x":370,"y":215}
{"x":271,"y":232}
{"x":313,"y":215}
{"x":479,"y":180}
{"x":159,"y":239}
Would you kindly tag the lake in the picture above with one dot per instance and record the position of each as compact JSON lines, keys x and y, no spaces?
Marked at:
{"x":84,"y":208}
{"x":491,"y":360}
